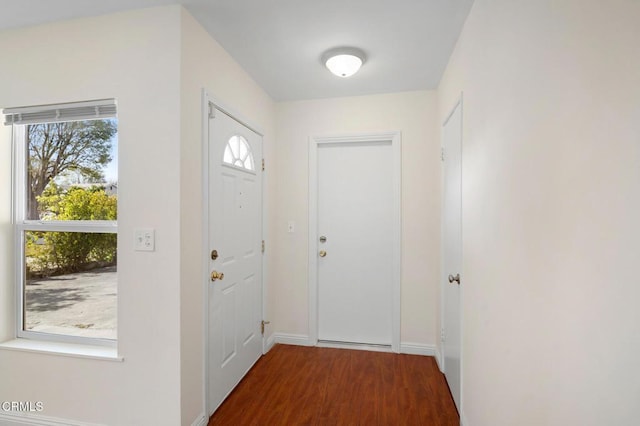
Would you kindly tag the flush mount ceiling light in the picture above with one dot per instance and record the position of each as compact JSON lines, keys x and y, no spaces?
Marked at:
{"x":343,"y":61}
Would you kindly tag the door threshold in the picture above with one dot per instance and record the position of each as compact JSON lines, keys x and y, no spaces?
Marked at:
{"x":354,"y":345}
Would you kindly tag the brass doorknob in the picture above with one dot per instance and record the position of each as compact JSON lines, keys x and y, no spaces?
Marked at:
{"x":322,"y":253}
{"x":215,"y":275}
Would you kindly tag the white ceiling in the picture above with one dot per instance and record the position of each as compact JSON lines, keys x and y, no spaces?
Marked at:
{"x":280,"y":42}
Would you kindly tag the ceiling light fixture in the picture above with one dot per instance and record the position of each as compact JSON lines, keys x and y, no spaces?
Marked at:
{"x":343,"y":61}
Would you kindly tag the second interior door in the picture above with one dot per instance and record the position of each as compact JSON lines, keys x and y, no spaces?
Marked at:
{"x":452,"y":254}
{"x":355,"y":242}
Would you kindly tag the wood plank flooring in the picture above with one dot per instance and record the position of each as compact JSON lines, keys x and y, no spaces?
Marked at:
{"x":296,"y":385}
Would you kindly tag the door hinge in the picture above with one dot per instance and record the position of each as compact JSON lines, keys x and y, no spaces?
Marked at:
{"x":212,"y":111}
{"x":263,"y":164}
{"x":263,"y":246}
{"x":262,"y":324}
{"x":442,"y":154}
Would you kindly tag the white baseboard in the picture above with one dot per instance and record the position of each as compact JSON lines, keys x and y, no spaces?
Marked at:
{"x":354,"y":346}
{"x":303,"y":340}
{"x":417,"y":349}
{"x":202,"y":420}
{"x":27,"y":419}
{"x":439,"y":360}
{"x":292,"y":339}
{"x":271,"y":341}
{"x":463,"y":420}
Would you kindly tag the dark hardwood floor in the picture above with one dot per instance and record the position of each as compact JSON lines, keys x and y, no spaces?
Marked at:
{"x":295,"y":385}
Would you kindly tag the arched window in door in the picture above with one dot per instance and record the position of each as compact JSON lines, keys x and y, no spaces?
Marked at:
{"x":238,"y":153}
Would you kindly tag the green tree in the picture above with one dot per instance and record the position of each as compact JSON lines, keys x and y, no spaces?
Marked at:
{"x":75,"y":146}
{"x":79,"y":203}
{"x":62,"y":252}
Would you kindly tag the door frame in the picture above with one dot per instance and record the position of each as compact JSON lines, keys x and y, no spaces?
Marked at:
{"x":444,"y":274}
{"x":210,"y":101}
{"x":395,"y":138}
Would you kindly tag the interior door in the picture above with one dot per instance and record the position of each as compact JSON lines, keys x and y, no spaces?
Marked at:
{"x":452,"y":245}
{"x":355,"y":244}
{"x":235,"y":240}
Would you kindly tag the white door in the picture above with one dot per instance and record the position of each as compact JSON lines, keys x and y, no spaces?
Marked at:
{"x":355,"y":242}
{"x":235,"y":240}
{"x":452,"y":245}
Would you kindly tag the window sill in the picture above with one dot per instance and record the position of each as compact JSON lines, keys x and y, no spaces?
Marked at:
{"x":62,"y":349}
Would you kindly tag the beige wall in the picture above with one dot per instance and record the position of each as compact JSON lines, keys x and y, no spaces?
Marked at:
{"x":133,"y":57}
{"x":551,"y":201}
{"x":205,"y":64}
{"x":412,"y":113}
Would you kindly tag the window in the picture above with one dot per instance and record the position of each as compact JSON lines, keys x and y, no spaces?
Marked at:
{"x":238,"y":153}
{"x":65,"y":217}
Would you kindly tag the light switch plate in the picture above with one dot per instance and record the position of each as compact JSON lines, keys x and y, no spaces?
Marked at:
{"x":144,"y":239}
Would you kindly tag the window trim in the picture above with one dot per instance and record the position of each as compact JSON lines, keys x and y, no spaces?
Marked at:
{"x":20,"y":225}
{"x":74,"y":350}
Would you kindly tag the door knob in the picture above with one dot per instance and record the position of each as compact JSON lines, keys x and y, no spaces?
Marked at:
{"x":215,"y":275}
{"x":456,"y":278}
{"x":322,"y":253}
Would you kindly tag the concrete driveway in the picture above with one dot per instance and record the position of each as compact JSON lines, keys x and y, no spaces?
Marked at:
{"x":80,"y":304}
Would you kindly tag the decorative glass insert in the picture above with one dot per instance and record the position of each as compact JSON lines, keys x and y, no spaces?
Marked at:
{"x":238,"y":153}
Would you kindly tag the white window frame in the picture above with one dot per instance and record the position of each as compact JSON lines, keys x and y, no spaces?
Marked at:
{"x":21,"y":224}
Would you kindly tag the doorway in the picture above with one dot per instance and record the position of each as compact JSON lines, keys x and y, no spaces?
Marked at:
{"x":354,"y":247}
{"x":234,"y":253}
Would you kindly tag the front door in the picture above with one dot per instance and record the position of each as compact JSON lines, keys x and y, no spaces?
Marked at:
{"x":452,"y":244}
{"x":355,"y":242}
{"x":235,"y":261}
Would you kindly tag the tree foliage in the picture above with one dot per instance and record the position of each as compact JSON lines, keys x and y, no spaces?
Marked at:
{"x":75,"y":146}
{"x":79,"y":203}
{"x":64,"y":252}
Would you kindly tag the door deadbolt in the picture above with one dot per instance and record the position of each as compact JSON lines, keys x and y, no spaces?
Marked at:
{"x":215,"y":275}
{"x":323,"y":239}
{"x":214,"y":254}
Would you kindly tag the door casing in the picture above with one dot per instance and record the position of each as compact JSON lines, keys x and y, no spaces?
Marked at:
{"x":208,"y":101}
{"x":395,"y":139}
